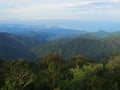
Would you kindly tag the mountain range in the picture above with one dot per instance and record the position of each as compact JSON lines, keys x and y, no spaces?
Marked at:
{"x":34,"y":42}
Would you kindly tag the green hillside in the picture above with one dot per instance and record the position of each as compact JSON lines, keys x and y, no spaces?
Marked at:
{"x":13,"y":46}
{"x":89,"y":46}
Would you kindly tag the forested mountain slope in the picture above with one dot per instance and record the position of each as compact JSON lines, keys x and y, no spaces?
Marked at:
{"x":14,"y":46}
{"x":92,"y":47}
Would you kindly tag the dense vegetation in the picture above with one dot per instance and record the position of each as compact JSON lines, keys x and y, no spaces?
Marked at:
{"x":54,"y":73}
{"x":88,"y":45}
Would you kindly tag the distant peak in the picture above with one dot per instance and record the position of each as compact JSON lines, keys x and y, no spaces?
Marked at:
{"x":101,"y":31}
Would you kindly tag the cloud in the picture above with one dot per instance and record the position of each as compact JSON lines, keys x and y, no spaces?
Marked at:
{"x":54,"y":2}
{"x":60,"y":9}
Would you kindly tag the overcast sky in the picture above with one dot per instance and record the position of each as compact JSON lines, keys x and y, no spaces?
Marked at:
{"x":108,"y":10}
{"x":81,"y":10}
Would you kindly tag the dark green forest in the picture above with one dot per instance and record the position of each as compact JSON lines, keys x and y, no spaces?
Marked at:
{"x":52,"y":72}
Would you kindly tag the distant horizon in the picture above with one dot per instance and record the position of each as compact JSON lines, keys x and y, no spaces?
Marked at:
{"x":87,"y":15}
{"x":90,"y":26}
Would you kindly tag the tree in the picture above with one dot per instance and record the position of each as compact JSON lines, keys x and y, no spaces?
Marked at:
{"x":19,"y":76}
{"x":112,"y":74}
{"x":51,"y":72}
{"x":114,"y":65}
{"x":81,"y":76}
{"x":56,"y":58}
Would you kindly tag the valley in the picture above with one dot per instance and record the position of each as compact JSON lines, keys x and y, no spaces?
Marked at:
{"x":34,"y":42}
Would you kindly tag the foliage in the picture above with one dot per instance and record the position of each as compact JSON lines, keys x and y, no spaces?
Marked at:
{"x":53,"y":73}
{"x":114,"y":64}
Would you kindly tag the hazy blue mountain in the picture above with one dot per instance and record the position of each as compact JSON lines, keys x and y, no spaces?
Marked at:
{"x":101,"y":33}
{"x":14,"y":46}
{"x":49,"y":33}
{"x":114,"y":36}
{"x":27,"y":41}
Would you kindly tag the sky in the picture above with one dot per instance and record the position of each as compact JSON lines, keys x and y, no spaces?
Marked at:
{"x":105,"y":14}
